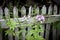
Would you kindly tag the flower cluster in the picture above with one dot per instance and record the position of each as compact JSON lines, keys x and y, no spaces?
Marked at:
{"x":40,"y":18}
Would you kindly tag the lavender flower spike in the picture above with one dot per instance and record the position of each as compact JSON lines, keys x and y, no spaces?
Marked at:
{"x":40,"y":18}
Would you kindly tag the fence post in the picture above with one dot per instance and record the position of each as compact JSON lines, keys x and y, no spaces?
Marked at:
{"x":15,"y":15}
{"x":1,"y":15}
{"x":7,"y":15}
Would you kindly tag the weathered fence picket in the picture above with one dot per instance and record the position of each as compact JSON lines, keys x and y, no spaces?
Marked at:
{"x":7,"y":15}
{"x":15,"y":15}
{"x":50,"y":10}
{"x":47,"y":31}
{"x":23,"y":12}
{"x":37,"y":10}
{"x":54,"y":30}
{"x":55,"y":10}
{"x":54,"y":33}
{"x":43,"y":10}
{"x":43,"y":13}
{"x":30,"y":11}
{"x":48,"y":24}
{"x":15,"y":12}
{"x":1,"y":15}
{"x":42,"y":33}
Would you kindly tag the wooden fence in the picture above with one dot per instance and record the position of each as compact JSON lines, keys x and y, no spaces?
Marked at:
{"x":50,"y":12}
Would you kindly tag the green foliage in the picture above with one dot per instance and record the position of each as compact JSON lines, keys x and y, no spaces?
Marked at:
{"x":33,"y":34}
{"x":12,"y":25}
{"x":56,"y":24}
{"x":35,"y":11}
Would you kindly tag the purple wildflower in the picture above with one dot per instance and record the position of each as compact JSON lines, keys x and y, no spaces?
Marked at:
{"x":40,"y":18}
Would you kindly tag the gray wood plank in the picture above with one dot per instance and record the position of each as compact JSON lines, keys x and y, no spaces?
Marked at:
{"x":15,"y":15}
{"x":10,"y":37}
{"x":43,"y":10}
{"x":47,"y":31}
{"x":30,"y":11}
{"x":50,"y":10}
{"x":7,"y":16}
{"x":17,"y":34}
{"x":23,"y":11}
{"x":37,"y":10}
{"x":1,"y":16}
{"x":15,"y":12}
{"x":54,"y":29}
{"x":42,"y":33}
{"x":23,"y":34}
{"x":55,"y":10}
{"x":58,"y":34}
{"x":43,"y":13}
{"x":54,"y":33}
{"x":6,"y":11}
{"x":1,"y":13}
{"x":0,"y":32}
